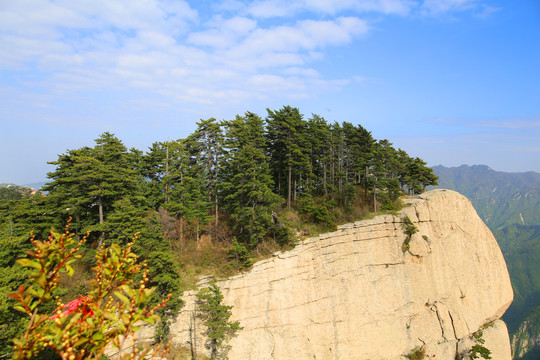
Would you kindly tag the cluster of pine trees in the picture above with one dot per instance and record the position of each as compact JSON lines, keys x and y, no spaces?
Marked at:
{"x":242,"y":168}
{"x":236,"y":174}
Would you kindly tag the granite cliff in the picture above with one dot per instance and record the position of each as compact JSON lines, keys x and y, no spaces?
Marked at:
{"x":358,"y":293}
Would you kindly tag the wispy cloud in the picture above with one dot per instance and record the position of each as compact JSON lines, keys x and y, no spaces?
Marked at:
{"x":519,"y":124}
{"x":442,"y":6}
{"x":168,"y":48}
{"x":275,"y":8}
{"x":532,"y":123}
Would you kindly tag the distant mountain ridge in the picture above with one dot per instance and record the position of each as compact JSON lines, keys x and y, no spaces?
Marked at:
{"x":500,"y":198}
{"x":13,"y":191}
{"x":509,"y":204}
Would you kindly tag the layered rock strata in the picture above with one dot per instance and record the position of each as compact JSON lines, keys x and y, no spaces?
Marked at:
{"x":358,"y":293}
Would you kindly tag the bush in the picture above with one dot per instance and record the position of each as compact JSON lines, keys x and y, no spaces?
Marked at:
{"x":409,"y":230}
{"x":417,"y":354}
{"x":81,"y":329}
{"x":239,"y":254}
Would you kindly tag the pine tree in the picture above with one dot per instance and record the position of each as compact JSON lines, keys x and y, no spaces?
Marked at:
{"x":88,"y":181}
{"x":289,"y":156}
{"x":337,"y":153}
{"x":208,"y":138}
{"x":319,"y":136}
{"x":359,"y":148}
{"x":188,"y":193}
{"x":216,"y":318}
{"x":246,"y":184}
{"x":154,"y":169}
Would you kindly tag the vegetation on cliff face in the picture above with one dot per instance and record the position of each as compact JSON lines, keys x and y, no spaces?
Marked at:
{"x":230,"y":191}
{"x":216,"y":319}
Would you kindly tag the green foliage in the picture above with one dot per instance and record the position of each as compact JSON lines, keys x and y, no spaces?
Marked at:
{"x":288,"y":144}
{"x":417,"y":354}
{"x":409,"y":228}
{"x":479,"y":350}
{"x":84,"y":327}
{"x":163,"y":274}
{"x":247,"y":192}
{"x":282,"y":234}
{"x":13,"y":192}
{"x":88,"y":181}
{"x":239,"y":254}
{"x":12,"y":275}
{"x":216,"y":318}
{"x":318,"y":212}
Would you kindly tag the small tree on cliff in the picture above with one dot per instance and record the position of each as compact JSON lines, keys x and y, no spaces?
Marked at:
{"x":216,"y":318}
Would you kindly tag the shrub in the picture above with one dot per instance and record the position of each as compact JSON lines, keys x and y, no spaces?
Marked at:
{"x":239,"y":254}
{"x":417,"y":354}
{"x":81,"y":329}
{"x":478,"y":350}
{"x":409,"y":229}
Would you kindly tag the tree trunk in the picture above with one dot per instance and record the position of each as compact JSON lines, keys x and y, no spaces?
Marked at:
{"x":217,"y":211}
{"x":295,"y":187}
{"x":279,"y":181}
{"x":181,"y":230}
{"x":374,"y":198}
{"x":324,"y":179}
{"x":366,"y":185}
{"x":197,"y":232}
{"x":216,"y":194}
{"x":289,"y":191}
{"x":167,"y":173}
{"x":100,"y":209}
{"x":213,"y":349}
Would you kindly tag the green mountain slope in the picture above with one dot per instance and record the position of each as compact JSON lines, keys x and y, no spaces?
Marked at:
{"x":509,"y":204}
{"x":500,"y":198}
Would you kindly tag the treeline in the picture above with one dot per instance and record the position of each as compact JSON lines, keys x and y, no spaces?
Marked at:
{"x":232,"y":181}
{"x":241,"y":169}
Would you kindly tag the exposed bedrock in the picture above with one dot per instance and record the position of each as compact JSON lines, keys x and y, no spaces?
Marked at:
{"x":354,"y":293}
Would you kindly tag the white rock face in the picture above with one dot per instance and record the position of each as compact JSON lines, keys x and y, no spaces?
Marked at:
{"x":354,"y":294}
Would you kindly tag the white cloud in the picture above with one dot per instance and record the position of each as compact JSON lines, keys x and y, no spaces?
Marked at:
{"x":312,"y":73}
{"x":304,"y":36}
{"x":274,"y":8}
{"x":400,"y":7}
{"x":223,"y":33}
{"x":437,"y":7}
{"x":167,"y":48}
{"x":267,"y":9}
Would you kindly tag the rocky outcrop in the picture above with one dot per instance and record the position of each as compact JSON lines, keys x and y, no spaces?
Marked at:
{"x":355,"y":293}
{"x":526,"y":341}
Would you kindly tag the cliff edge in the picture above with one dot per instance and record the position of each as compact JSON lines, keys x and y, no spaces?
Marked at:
{"x":358,"y":293}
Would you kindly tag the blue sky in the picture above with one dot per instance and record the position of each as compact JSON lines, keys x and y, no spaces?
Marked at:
{"x":451,"y":81}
